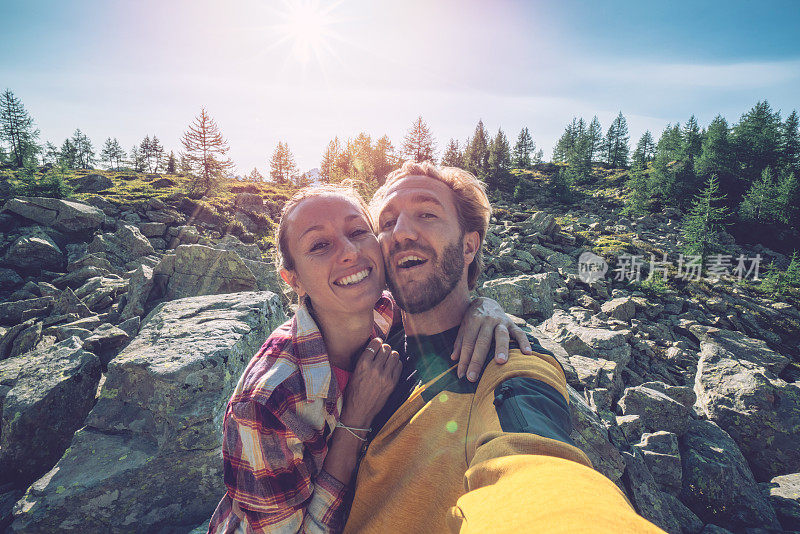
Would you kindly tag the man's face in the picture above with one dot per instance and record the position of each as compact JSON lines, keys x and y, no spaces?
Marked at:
{"x":422,"y":242}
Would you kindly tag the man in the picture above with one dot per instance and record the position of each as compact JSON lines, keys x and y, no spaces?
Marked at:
{"x":486,"y":456}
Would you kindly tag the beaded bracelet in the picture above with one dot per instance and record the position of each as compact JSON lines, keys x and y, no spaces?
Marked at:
{"x":352,"y":428}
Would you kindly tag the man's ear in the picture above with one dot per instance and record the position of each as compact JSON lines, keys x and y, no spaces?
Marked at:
{"x":472,"y":242}
{"x":291,"y":279}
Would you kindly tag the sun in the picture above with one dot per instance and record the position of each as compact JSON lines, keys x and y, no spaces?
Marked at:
{"x":307,"y":26}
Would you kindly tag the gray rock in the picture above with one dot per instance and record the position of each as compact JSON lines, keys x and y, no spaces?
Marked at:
{"x":266,"y":276}
{"x":99,"y":292}
{"x":92,"y":183}
{"x":7,"y":340}
{"x":153,"y":229}
{"x":106,"y":341}
{"x":79,"y":277}
{"x":784,"y":495}
{"x":540,"y":222}
{"x":631,"y":426}
{"x":714,"y":529}
{"x":68,"y":303}
{"x":183,"y":235}
{"x":688,"y":520}
{"x":148,"y":458}
{"x":45,"y":398}
{"x":527,"y":294}
{"x":587,"y":341}
{"x":35,"y":252}
{"x":124,"y":245}
{"x":47,"y":289}
{"x":727,"y":343}
{"x":199,"y":270}
{"x":90,"y":260}
{"x":718,"y":485}
{"x":760,"y":411}
{"x":130,"y":326}
{"x":63,"y":215}
{"x":621,"y":308}
{"x":591,"y":436}
{"x":9,"y":279}
{"x":139,"y":287}
{"x":14,"y":312}
{"x":246,"y":252}
{"x":683,"y":394}
{"x":26,"y":340}
{"x":166,"y":215}
{"x":644,"y":493}
{"x":663,"y":459}
{"x":597,"y":373}
{"x":658,"y":411}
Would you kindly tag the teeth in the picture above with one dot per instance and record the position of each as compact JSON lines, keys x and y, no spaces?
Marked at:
{"x":407,"y":259}
{"x":353,"y":278}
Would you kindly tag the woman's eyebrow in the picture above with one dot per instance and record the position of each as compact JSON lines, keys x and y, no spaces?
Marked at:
{"x":311,"y":229}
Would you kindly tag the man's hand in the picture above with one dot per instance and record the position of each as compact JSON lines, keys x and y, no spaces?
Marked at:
{"x":485,"y":319}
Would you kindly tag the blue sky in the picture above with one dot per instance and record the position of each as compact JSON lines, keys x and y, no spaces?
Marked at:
{"x":303,"y":71}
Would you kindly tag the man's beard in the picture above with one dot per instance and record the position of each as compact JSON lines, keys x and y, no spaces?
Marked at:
{"x":447,"y":272}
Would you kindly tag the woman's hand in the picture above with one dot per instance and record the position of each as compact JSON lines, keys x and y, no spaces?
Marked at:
{"x":485,"y":318}
{"x":374,"y":377}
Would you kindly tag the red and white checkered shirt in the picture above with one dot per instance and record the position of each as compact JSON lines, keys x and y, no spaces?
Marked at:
{"x":276,"y":431}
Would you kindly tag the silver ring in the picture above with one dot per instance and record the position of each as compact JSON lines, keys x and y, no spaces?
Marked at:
{"x":373,"y":351}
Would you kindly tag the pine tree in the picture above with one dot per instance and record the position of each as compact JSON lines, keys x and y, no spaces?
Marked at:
{"x":499,"y":162}
{"x":717,"y":158}
{"x":68,"y":155}
{"x":283,"y":169}
{"x":565,"y":145}
{"x":156,"y":155}
{"x":638,"y":200}
{"x":790,"y":143}
{"x":205,"y":150}
{"x":476,"y":155}
{"x":327,"y":167}
{"x":560,"y":184}
{"x":523,"y":149}
{"x":616,"y":143}
{"x":761,"y":204}
{"x":255,"y":176}
{"x":16,"y":129}
{"x":789,"y":199}
{"x":756,"y":141}
{"x":171,"y":164}
{"x":383,"y":159}
{"x":106,"y":153}
{"x":664,"y":178}
{"x":419,"y":143}
{"x":594,"y":138}
{"x":453,"y":156}
{"x":136,"y":159}
{"x":51,"y":154}
{"x":84,"y":151}
{"x":703,"y":222}
{"x":645,"y":150}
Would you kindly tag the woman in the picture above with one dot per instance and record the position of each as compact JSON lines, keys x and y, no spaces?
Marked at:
{"x":302,"y":410}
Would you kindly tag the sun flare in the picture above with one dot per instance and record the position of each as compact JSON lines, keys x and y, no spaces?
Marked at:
{"x":307,"y":26}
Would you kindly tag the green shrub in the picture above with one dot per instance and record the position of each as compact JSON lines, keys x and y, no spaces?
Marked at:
{"x":52,"y":184}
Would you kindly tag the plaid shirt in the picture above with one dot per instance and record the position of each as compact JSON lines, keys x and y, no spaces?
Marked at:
{"x":276,"y":431}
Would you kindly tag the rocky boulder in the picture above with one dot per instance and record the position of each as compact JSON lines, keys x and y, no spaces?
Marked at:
{"x":784,"y":495}
{"x":622,"y":308}
{"x":34,"y":252}
{"x":63,"y":215}
{"x":742,"y":394}
{"x":717,"y":483}
{"x":199,"y":270}
{"x":527,"y":294}
{"x":149,"y":457}
{"x":45,"y":396}
{"x":591,"y":436}
{"x":20,"y":310}
{"x":644,"y":493}
{"x":587,"y":341}
{"x":123,"y":246}
{"x":663,"y":459}
{"x":92,"y":183}
{"x":658,"y":411}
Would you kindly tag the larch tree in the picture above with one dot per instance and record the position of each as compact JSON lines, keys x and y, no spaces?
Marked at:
{"x":594,"y":137}
{"x":476,"y":155}
{"x":616,"y":143}
{"x":790,"y":143}
{"x":112,"y":153}
{"x":704,"y":221}
{"x":453,"y":156}
{"x":171,"y":163}
{"x":16,"y":129}
{"x":419,"y":143}
{"x":645,"y":150}
{"x":84,"y":151}
{"x":282,"y":168}
{"x":717,"y":158}
{"x":499,"y":162}
{"x":327,"y":167}
{"x":756,"y":142}
{"x":523,"y":149}
{"x":205,"y":152}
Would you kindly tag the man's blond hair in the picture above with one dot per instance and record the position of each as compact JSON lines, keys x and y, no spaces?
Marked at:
{"x":472,"y":204}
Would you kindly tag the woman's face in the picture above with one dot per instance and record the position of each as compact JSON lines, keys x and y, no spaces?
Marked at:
{"x":337,"y":258}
